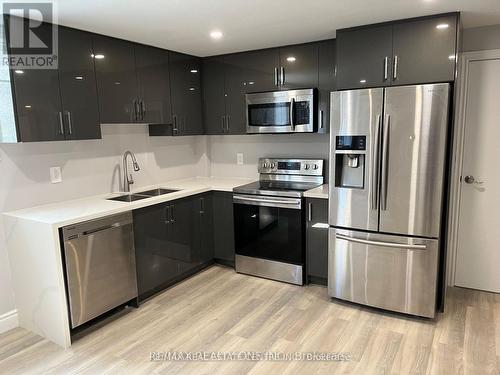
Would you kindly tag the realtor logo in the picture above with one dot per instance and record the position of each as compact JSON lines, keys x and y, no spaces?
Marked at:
{"x":31,"y":33}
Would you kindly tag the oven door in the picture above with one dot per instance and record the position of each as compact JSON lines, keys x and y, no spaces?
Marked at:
{"x":289,"y":111}
{"x":269,"y":228}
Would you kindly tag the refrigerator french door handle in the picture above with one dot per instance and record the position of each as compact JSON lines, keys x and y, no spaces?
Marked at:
{"x":394,"y":245}
{"x":385,"y":161}
{"x":375,"y":168}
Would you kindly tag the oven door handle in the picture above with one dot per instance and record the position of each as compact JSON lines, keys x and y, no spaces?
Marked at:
{"x":295,"y":204}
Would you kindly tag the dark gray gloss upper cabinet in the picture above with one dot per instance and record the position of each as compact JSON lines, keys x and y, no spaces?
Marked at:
{"x":185,"y":88}
{"x":317,"y":240}
{"x":214,"y":102}
{"x":153,"y":77}
{"x":116,"y":80}
{"x":364,"y":57}
{"x":78,"y":85}
{"x":425,"y":50}
{"x":299,"y":65}
{"x":223,"y":228}
{"x":414,"y":51}
{"x":326,"y":82}
{"x":59,"y":104}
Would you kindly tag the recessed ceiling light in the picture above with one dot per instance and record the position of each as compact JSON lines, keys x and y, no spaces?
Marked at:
{"x":442,"y":26}
{"x":451,"y":57}
{"x":78,"y":78}
{"x":251,"y":82}
{"x":192,"y":89}
{"x":99,"y":56}
{"x":291,"y":59}
{"x":194,"y":70}
{"x":216,"y":34}
{"x":362,"y":81}
{"x":27,"y":106}
{"x":19,"y":71}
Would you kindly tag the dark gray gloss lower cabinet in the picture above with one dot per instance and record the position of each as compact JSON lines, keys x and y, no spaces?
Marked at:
{"x":317,"y":241}
{"x":172,"y":241}
{"x":223,"y":228}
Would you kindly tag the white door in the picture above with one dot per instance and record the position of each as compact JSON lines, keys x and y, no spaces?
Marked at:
{"x":478,"y":250}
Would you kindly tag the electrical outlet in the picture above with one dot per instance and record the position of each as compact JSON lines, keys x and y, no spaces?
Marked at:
{"x":239,"y":158}
{"x":55,"y":175}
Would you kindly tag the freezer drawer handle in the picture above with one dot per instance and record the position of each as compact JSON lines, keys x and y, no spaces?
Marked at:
{"x":384,"y":244}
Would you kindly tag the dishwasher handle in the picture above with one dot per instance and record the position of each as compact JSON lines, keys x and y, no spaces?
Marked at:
{"x":90,"y":227}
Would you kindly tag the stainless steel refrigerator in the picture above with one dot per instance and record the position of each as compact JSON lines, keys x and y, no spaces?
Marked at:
{"x":387,"y":171}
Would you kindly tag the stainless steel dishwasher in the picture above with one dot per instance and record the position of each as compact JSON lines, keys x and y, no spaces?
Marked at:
{"x":100,"y":266}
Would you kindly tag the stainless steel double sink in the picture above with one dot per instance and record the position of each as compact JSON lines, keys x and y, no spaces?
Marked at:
{"x":142,"y":195}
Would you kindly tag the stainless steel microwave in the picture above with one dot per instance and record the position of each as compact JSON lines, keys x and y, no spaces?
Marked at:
{"x":290,"y":111}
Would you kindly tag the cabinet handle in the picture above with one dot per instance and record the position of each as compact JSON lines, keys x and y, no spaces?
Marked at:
{"x":386,"y":68}
{"x":321,"y":125}
{"x":276,"y":81}
{"x":310,"y":207}
{"x":174,"y":118}
{"x":136,"y":112}
{"x":172,"y":210}
{"x":143,"y":109}
{"x":227,"y":123}
{"x":70,"y":123}
{"x":61,"y":124}
{"x":395,"y":71}
{"x":282,"y":73}
{"x":166,"y":214}
{"x":202,"y":206}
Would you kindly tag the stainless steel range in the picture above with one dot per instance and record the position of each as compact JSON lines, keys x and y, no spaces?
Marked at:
{"x":269,"y":219}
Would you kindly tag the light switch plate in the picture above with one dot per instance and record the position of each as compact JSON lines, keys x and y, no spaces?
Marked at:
{"x":55,"y":175}
{"x":239,"y":158}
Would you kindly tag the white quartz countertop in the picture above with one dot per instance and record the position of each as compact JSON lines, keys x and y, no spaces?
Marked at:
{"x":88,"y":208}
{"x":319,"y":192}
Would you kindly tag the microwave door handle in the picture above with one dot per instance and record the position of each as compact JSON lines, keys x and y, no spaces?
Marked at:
{"x":292,"y":110}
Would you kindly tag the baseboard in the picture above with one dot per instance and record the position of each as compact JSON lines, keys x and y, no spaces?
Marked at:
{"x":8,"y":321}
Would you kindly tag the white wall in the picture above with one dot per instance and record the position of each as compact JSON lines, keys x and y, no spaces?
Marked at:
{"x":222,"y":151}
{"x":88,"y":168}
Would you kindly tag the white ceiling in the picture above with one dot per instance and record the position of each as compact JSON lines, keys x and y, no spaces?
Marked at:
{"x":185,"y":25}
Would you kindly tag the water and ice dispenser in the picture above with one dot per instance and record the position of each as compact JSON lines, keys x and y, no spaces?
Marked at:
{"x":350,"y":158}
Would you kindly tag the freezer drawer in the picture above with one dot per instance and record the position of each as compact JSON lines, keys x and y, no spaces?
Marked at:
{"x":395,"y":273}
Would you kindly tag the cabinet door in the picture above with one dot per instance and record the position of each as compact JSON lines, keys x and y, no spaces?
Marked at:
{"x":204,"y":229}
{"x":326,"y":82}
{"x":214,"y":107}
{"x":186,"y":94}
{"x":317,"y":240}
{"x":300,"y":66}
{"x":78,"y":85}
{"x":223,"y":228}
{"x":154,"y":84}
{"x":425,"y":50}
{"x":37,"y":101}
{"x":181,"y":231}
{"x":156,"y":267}
{"x":116,"y":80}
{"x":362,"y":55}
{"x":247,"y":72}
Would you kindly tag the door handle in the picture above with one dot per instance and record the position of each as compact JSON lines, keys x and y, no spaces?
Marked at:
{"x":292,"y":105}
{"x":375,"y":166}
{"x":309,"y":213}
{"x":227,"y":123}
{"x":395,"y":68}
{"x":394,"y":245}
{"x":174,"y":119}
{"x":70,"y":124}
{"x":276,"y":81}
{"x":282,"y":74}
{"x":385,"y":162}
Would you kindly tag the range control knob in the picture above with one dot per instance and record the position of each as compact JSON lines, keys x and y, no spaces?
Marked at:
{"x":266,"y":165}
{"x":315,"y":166}
{"x":307,"y":166}
{"x":273,"y":165}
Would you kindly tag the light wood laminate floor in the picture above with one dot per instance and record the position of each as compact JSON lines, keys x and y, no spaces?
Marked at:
{"x":220,"y":310}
